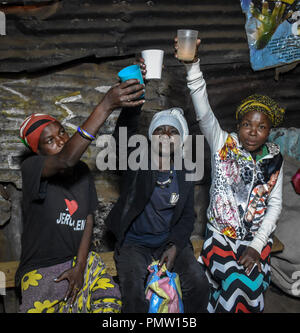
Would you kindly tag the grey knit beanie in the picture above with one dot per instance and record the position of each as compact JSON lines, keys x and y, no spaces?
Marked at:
{"x":172,"y":117}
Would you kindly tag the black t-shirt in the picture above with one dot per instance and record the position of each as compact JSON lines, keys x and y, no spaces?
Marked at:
{"x":152,"y":227}
{"x":54,"y":214}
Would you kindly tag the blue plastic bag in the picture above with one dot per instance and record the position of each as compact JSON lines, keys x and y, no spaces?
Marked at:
{"x":163,"y":290}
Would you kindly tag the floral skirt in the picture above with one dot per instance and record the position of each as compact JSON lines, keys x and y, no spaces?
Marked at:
{"x":232,"y":290}
{"x":99,"y":294}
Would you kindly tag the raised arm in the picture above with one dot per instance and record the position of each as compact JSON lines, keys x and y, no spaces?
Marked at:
{"x":128,"y":121}
{"x":208,"y":123}
{"x":120,"y":95}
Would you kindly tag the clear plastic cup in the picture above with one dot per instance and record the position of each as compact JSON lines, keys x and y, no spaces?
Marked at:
{"x":153,"y":61}
{"x":187,"y":41}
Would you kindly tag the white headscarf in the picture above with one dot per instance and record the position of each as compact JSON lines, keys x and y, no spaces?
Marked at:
{"x":172,"y":117}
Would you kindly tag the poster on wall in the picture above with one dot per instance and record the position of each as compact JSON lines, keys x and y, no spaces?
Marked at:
{"x":273,"y":32}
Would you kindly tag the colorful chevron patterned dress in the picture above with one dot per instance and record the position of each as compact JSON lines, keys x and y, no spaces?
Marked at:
{"x":245,"y":203}
{"x":232,"y":289}
{"x":240,"y":195}
{"x":239,"y":203}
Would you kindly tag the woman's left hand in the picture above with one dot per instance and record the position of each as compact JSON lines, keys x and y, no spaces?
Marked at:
{"x":249,"y":258}
{"x":196,"y":51}
{"x":141,"y":63}
{"x":75,"y":277}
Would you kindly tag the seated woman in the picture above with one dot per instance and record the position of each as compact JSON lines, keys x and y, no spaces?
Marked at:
{"x":154,"y":216}
{"x":57,"y":272}
{"x":245,"y":198}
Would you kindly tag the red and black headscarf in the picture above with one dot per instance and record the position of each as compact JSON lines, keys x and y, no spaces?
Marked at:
{"x":32,"y":128}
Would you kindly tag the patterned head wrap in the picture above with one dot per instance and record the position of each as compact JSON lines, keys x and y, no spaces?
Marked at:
{"x":264,"y":104}
{"x":32,"y":128}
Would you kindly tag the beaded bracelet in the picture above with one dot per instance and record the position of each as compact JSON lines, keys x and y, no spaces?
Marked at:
{"x":85,"y":134}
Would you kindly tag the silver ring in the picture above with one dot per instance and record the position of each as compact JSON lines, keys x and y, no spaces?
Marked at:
{"x":128,"y":100}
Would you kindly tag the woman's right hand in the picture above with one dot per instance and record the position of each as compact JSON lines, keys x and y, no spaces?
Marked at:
{"x":124,"y":94}
{"x":196,"y":51}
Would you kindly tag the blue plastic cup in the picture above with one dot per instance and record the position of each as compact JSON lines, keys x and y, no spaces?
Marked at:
{"x":131,"y":72}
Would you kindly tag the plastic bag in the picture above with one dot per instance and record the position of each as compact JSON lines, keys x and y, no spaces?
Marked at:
{"x":163,"y":290}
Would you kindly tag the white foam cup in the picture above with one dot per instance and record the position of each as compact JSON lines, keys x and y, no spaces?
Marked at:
{"x":153,"y":61}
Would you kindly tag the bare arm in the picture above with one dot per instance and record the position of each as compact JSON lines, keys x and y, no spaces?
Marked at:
{"x":116,"y":97}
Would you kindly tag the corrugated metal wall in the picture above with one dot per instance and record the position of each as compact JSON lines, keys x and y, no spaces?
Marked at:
{"x":59,"y":49}
{"x":55,"y":32}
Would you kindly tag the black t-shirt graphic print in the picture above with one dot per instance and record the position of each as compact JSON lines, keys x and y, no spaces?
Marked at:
{"x":54,"y":214}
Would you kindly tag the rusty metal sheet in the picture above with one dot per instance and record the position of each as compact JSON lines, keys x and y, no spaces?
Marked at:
{"x":48,"y":33}
{"x":75,"y":49}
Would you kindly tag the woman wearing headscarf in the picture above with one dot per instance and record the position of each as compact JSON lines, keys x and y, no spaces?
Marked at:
{"x":245,"y":197}
{"x":153,"y":218}
{"x":57,"y":272}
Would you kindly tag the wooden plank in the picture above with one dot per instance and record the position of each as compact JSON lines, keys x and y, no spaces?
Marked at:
{"x":277,"y":245}
{"x":9,"y":268}
{"x":108,"y":258}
